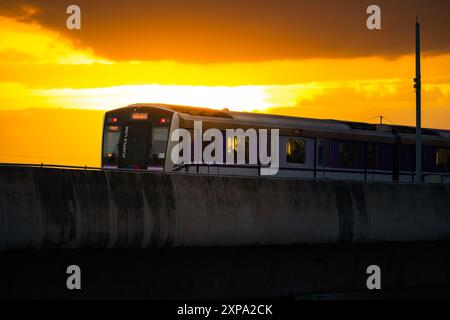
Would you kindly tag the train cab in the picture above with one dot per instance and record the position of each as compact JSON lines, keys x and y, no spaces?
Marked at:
{"x":136,"y":138}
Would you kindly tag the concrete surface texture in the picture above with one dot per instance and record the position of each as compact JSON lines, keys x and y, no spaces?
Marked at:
{"x":54,"y":208}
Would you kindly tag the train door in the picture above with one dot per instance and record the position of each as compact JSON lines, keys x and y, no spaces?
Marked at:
{"x":396,"y":160}
{"x":134,"y":147}
{"x":323,"y":159}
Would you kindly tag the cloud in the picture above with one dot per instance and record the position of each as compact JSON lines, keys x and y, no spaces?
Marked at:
{"x":237,"y":98}
{"x":436,"y":69}
{"x":365,"y":101}
{"x":204,"y":31}
{"x":23,"y":42}
{"x":44,"y":65}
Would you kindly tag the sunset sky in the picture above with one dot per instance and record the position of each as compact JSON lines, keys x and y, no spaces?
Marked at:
{"x":304,"y":58}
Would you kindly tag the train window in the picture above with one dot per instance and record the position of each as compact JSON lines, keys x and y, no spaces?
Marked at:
{"x":296,"y":150}
{"x":347,"y":154}
{"x":158,"y":145}
{"x":111,"y":142}
{"x":232,"y":146}
{"x":324,"y":154}
{"x":373,"y":156}
{"x":443,"y":159}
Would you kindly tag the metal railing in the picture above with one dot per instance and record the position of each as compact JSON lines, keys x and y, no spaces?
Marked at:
{"x":43,"y":165}
{"x":178,"y":170}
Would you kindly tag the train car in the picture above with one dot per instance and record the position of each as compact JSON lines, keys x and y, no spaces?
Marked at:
{"x":137,"y":137}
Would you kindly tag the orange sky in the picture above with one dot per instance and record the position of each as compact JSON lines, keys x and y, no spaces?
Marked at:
{"x":255,"y":56}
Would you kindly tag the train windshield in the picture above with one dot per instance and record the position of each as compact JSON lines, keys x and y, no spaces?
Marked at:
{"x":111,"y":143}
{"x":158,"y":145}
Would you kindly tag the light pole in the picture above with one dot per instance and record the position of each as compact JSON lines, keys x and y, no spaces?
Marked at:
{"x":418,"y":87}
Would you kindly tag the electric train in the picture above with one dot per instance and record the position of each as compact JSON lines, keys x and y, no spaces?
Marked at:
{"x":137,"y":137}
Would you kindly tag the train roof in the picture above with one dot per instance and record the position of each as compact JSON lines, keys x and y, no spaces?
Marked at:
{"x":272,"y":120}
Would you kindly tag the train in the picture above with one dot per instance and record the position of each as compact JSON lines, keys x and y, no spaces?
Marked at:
{"x":138,"y":137}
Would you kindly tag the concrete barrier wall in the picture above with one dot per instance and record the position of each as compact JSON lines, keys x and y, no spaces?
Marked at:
{"x":52,"y":208}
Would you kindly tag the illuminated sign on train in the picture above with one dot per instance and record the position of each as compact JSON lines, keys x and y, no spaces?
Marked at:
{"x":139,"y":116}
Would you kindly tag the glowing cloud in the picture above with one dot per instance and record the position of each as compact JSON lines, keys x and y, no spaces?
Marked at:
{"x":22,"y":42}
{"x":241,"y":98}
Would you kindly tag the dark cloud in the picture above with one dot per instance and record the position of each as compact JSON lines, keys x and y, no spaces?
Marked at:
{"x":243,"y":30}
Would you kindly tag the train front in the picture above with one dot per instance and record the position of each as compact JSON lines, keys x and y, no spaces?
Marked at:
{"x":136,"y":137}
